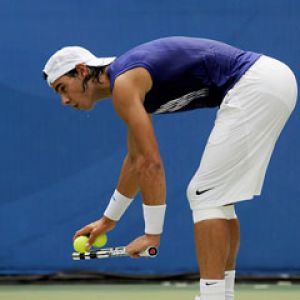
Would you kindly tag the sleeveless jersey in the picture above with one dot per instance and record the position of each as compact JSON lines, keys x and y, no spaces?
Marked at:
{"x":187,"y":73}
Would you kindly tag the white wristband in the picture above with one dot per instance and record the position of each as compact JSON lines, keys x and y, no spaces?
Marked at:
{"x":117,"y":206}
{"x":154,"y":216}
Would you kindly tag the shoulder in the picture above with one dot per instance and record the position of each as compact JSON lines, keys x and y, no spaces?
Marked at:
{"x":148,"y":56}
{"x":129,"y":94}
{"x":130,"y":66}
{"x":134,"y":81}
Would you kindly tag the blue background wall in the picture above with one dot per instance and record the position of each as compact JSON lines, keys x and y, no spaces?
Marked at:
{"x":59,"y":167}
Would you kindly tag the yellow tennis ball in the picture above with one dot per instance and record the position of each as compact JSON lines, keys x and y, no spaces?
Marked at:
{"x":100,"y":241}
{"x":79,"y":244}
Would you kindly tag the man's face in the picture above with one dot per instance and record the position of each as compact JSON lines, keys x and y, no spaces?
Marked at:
{"x":72,"y":93}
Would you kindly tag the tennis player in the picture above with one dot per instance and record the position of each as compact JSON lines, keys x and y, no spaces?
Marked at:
{"x":255,"y":95}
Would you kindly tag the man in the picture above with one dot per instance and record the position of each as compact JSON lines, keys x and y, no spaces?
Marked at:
{"x":255,"y":95}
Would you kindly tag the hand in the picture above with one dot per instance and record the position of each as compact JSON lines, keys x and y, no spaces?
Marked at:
{"x":95,"y":229}
{"x":141,"y":243}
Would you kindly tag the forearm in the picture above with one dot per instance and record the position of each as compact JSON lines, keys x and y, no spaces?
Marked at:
{"x":151,"y":181}
{"x":128,"y":183}
{"x":145,"y":175}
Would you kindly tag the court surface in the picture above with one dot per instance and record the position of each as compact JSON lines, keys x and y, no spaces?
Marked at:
{"x":163,"y":291}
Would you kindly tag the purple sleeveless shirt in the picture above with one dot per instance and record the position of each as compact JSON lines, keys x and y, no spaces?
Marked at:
{"x":187,"y":73}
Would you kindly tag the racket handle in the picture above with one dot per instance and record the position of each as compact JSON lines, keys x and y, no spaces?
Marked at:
{"x":149,"y":252}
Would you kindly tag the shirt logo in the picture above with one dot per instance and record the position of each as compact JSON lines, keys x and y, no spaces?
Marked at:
{"x":181,"y":102}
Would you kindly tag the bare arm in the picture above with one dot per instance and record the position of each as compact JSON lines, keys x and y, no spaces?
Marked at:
{"x":142,"y":167}
{"x":128,"y":98}
{"x":128,"y":184}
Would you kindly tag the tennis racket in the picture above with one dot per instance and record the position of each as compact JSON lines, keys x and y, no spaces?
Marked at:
{"x":111,"y":252}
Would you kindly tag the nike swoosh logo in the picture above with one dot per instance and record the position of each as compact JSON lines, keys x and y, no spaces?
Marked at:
{"x":210,"y":283}
{"x":202,"y":192}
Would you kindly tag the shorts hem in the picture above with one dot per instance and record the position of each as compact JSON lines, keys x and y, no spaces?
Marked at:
{"x":221,"y":203}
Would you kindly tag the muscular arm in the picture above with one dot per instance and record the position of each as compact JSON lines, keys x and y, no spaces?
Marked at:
{"x":143,"y":161}
{"x":128,"y":184}
{"x":142,"y":167}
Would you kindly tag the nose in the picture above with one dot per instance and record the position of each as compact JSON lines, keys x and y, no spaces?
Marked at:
{"x":65,"y":100}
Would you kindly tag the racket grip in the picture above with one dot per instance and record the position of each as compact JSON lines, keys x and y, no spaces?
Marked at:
{"x":149,"y":252}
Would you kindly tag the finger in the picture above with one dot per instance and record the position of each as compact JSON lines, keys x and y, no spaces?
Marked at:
{"x":83,"y":231}
{"x":133,"y":252}
{"x":93,"y":235}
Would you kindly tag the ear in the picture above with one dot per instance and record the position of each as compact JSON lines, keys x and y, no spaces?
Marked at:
{"x":82,"y":70}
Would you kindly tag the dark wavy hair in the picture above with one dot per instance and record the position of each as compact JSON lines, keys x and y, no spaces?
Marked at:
{"x":94,"y":74}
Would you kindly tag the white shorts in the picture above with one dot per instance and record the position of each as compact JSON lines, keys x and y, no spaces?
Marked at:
{"x":247,"y":126}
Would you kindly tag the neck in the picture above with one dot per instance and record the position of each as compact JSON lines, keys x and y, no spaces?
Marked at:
{"x":102,"y":90}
